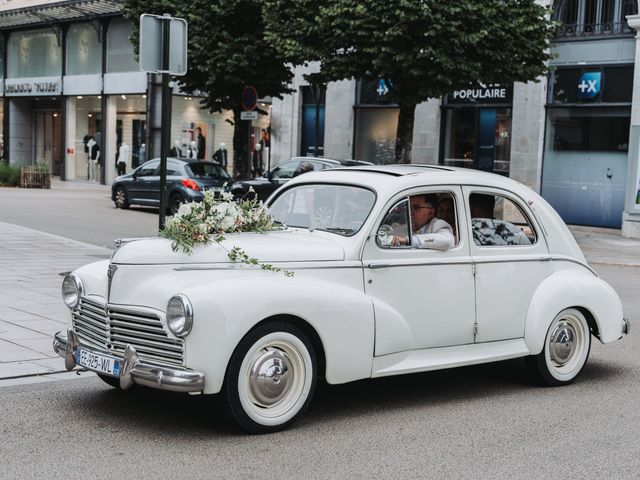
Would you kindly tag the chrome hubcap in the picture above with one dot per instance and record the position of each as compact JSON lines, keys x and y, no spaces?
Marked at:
{"x":563,"y":343}
{"x":270,"y":377}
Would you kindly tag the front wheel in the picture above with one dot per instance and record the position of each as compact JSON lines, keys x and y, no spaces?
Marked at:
{"x":566,"y":349}
{"x":271,"y":378}
{"x":120,"y":198}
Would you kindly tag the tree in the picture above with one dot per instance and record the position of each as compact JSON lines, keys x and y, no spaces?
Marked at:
{"x":423,"y":48}
{"x":226,"y":52}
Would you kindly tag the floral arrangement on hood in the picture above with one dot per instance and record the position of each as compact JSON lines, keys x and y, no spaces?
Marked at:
{"x":208,"y":221}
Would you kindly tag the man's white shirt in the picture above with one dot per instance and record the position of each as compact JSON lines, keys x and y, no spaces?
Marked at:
{"x":436,"y":235}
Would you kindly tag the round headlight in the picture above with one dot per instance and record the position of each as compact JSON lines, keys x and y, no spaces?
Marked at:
{"x":179,"y":315}
{"x":72,"y":291}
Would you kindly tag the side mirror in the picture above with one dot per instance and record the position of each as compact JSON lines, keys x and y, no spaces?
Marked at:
{"x":385,"y":234}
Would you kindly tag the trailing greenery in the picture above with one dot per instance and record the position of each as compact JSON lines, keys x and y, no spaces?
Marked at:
{"x":423,"y":48}
{"x":9,"y":174}
{"x":226,"y":52}
{"x":208,"y":221}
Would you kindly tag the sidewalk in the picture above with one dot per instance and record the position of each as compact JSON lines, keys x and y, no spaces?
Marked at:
{"x":32,"y":265}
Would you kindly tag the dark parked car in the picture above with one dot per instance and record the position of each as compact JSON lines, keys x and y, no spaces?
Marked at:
{"x":282,"y":173}
{"x":186,"y":182}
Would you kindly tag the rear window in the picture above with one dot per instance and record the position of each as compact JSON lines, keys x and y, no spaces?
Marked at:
{"x":205,"y":170}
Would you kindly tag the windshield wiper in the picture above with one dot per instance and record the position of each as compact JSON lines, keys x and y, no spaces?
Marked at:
{"x":341,"y":231}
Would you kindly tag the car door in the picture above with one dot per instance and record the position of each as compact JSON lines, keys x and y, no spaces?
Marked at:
{"x":511,"y":259}
{"x":140,"y":188}
{"x":422,"y":298}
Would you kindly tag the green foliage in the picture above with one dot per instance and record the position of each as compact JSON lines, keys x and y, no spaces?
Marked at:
{"x":9,"y":174}
{"x":226,"y":52}
{"x":427,"y":48}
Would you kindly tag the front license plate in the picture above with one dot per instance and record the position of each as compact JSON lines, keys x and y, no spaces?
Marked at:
{"x":97,"y":362}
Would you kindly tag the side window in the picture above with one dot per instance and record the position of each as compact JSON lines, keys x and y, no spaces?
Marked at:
{"x":149,"y":169}
{"x":172,"y":169}
{"x":498,"y":221}
{"x":306,"y":166}
{"x":286,"y":170}
{"x":425,"y":220}
{"x":395,"y":224}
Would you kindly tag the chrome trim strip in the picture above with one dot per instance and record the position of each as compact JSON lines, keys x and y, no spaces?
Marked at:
{"x":134,"y":371}
{"x":284,"y":266}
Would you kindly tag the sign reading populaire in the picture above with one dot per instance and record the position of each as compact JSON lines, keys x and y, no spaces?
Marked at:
{"x":32,"y":87}
{"x":487,"y":94}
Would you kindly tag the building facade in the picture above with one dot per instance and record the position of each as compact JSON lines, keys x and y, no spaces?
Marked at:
{"x":69,"y":78}
{"x":569,"y":136}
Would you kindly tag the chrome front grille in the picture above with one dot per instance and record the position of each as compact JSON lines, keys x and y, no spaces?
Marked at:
{"x":90,"y":323}
{"x":141,"y":329}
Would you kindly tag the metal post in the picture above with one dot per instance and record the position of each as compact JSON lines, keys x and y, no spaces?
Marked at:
{"x":166,"y":118}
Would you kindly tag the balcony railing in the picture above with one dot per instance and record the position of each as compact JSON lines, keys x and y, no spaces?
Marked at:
{"x":566,"y":31}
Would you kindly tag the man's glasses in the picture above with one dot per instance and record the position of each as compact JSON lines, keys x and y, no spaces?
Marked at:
{"x":415,"y":208}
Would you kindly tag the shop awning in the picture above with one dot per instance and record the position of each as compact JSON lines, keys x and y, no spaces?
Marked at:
{"x":49,"y":12}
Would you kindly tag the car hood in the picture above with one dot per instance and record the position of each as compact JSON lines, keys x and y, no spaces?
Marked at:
{"x":285,"y":246}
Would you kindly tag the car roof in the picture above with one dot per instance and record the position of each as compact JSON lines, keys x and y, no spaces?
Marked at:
{"x":347,"y":162}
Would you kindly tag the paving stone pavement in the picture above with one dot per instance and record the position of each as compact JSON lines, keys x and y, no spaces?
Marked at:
{"x":31,"y":307}
{"x":32,"y":311}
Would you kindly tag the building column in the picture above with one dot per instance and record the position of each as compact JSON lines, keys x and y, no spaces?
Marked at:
{"x":109,"y":114}
{"x":631,"y":214}
{"x":69,"y":140}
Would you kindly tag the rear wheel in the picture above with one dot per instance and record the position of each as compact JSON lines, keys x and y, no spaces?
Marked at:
{"x":566,"y":349}
{"x":174,"y":203}
{"x":271,"y":378}
{"x":120,"y":198}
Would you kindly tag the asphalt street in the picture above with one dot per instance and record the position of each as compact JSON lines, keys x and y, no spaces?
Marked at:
{"x":481,"y":422}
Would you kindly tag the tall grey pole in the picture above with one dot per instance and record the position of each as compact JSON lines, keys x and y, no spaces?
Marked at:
{"x":166,"y":118}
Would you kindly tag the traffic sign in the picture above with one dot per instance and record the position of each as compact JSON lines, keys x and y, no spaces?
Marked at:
{"x":151,"y":36}
{"x":252,"y":115}
{"x":249,"y":98}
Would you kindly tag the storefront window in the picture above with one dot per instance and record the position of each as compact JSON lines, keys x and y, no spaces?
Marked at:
{"x":591,"y":85}
{"x":84,"y":52}
{"x":34,"y":54}
{"x":88,"y":124}
{"x":131,"y":130}
{"x":589,"y":130}
{"x":120,"y":56}
{"x":478,"y":138}
{"x":376,"y":134}
{"x":2,"y":129}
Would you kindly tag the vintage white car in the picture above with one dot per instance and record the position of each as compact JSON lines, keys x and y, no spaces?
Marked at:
{"x":508,"y":281}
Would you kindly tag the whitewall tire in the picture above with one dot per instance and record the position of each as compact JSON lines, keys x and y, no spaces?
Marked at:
{"x":566,"y":349}
{"x":271,"y":378}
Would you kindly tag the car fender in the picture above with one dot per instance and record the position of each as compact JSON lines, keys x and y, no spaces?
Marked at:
{"x":572,"y":288}
{"x":225,"y":311}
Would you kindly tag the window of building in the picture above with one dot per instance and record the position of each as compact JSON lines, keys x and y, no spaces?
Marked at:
{"x":120,"y":57}
{"x":615,"y":85}
{"x":595,"y":130}
{"x":586,"y":18}
{"x":84,"y":51}
{"x":34,"y":54}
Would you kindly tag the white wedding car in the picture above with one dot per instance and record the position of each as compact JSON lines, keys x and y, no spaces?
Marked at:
{"x":513,"y":284}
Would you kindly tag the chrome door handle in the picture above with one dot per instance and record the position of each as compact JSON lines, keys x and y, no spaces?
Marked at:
{"x":378,"y":265}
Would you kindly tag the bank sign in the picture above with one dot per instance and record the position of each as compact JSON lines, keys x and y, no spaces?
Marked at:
{"x":484,"y":94}
{"x":32,"y":87}
{"x":589,"y":85}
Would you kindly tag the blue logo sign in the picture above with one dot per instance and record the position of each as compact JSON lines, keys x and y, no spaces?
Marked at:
{"x":589,"y":85}
{"x":382,"y":89}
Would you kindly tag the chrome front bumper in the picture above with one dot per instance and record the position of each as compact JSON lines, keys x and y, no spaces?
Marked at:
{"x":134,"y":371}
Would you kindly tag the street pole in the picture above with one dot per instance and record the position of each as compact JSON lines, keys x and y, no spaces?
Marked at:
{"x":166,"y":118}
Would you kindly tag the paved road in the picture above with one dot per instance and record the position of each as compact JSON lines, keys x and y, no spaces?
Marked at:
{"x":82,"y":211}
{"x":478,"y":422}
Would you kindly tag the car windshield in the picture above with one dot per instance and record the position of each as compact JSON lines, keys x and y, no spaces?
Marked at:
{"x":206,"y":170}
{"x":340,"y":209}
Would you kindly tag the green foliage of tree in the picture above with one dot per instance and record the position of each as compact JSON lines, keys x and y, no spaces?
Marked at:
{"x":226,"y":52}
{"x":426,"y":48}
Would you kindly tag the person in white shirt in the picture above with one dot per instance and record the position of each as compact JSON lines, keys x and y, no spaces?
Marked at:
{"x":428,"y":230}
